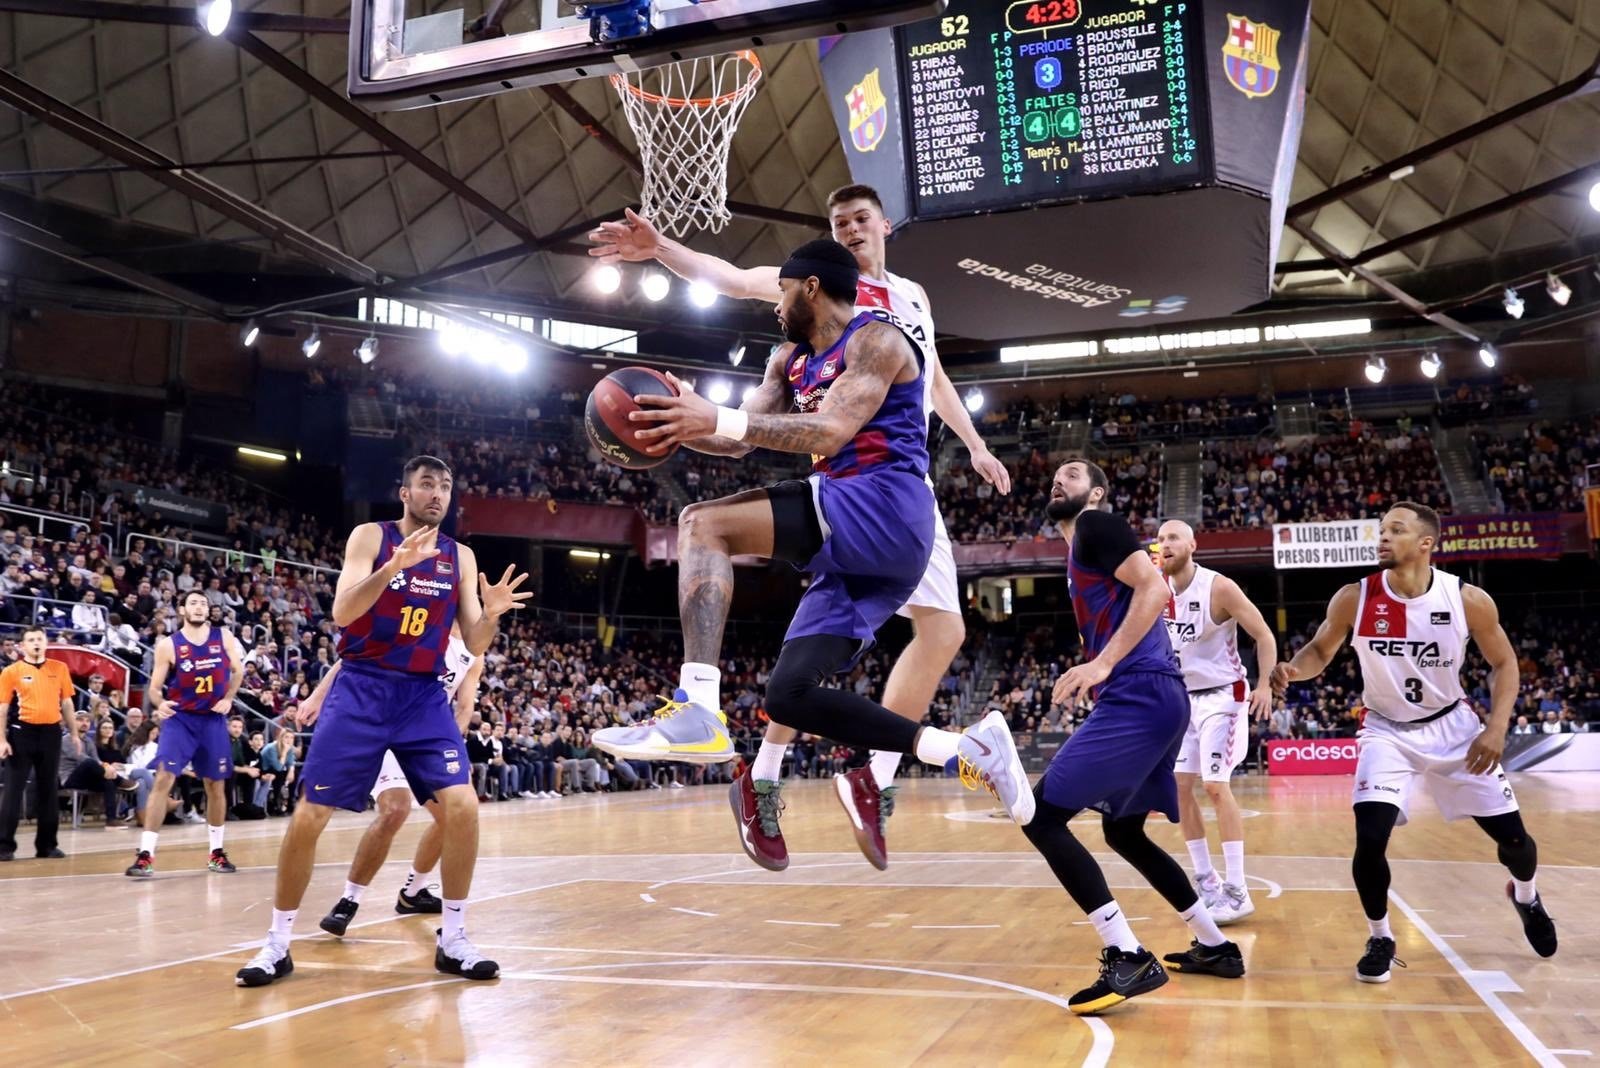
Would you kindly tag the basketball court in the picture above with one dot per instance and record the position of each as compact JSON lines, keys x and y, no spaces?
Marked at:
{"x":631,"y":929}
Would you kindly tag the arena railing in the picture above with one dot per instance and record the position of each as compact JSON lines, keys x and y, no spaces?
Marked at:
{"x":37,"y":520}
{"x":270,"y":562}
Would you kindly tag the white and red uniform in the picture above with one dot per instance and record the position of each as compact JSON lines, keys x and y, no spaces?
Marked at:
{"x":1418,"y":720}
{"x":1219,"y":721}
{"x":457,"y":661}
{"x":904,"y":304}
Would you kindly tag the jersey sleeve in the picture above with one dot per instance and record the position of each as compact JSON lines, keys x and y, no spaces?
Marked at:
{"x":8,"y":687}
{"x":64,"y":681}
{"x":1104,"y":541}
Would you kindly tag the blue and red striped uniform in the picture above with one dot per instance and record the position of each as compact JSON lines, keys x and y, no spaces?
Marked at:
{"x":195,"y":736}
{"x":1120,"y":761}
{"x":408,"y":627}
{"x":387,"y":694}
{"x":202,"y":672}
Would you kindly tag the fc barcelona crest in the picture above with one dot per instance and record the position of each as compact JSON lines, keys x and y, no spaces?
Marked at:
{"x":869,"y":113}
{"x":1250,"y":56}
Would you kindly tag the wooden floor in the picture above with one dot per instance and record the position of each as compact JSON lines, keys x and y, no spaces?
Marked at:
{"x":631,"y":930}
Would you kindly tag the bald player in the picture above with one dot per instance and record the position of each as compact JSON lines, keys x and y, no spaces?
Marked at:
{"x":1204,"y":614}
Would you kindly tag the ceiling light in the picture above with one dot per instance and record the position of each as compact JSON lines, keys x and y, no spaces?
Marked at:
{"x":973,"y":400}
{"x":719,"y":392}
{"x":250,"y":334}
{"x":367,"y":351}
{"x":736,"y":354}
{"x":513,"y":358}
{"x":1559,"y":291}
{"x":1594,"y":196}
{"x":1513,"y":303}
{"x":312,"y":344}
{"x":587,"y":554}
{"x":1375,"y":370}
{"x":607,"y":278}
{"x":452,"y":339}
{"x":1431,"y":363}
{"x":1488,"y":356}
{"x":655,"y":286}
{"x":702,"y":295}
{"x":263,"y":454}
{"x":215,"y":16}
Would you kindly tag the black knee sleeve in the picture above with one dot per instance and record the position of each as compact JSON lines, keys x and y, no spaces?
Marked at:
{"x":1370,"y":865}
{"x":1517,"y":849}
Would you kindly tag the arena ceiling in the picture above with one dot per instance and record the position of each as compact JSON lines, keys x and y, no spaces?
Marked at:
{"x":486,"y":201}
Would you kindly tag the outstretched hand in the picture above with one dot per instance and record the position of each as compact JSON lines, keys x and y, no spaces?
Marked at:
{"x":633,"y":239}
{"x":686,"y":417}
{"x":420,"y":545}
{"x":500,"y":597}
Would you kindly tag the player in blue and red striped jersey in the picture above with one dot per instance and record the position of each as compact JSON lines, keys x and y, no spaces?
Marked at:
{"x":206,"y":665}
{"x":402,"y":587}
{"x":1120,"y":760}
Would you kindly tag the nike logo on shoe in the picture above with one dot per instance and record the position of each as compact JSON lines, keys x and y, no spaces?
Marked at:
{"x":977,"y":742}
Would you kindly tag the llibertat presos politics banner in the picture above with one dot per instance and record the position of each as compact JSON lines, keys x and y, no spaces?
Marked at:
{"x":1342,"y":543}
{"x":1311,"y":756}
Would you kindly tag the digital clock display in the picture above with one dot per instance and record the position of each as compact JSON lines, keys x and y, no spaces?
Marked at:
{"x":1015,"y":103}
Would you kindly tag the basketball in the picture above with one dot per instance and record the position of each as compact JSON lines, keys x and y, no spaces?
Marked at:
{"x":605,"y":417}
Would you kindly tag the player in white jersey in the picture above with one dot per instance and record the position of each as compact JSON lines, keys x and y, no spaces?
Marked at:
{"x":1411,"y":623}
{"x":1203,"y":619}
{"x":855,"y":213}
{"x":394,"y":800}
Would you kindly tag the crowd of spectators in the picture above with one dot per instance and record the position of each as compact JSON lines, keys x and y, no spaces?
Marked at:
{"x":1480,"y":401}
{"x":1545,"y":467}
{"x":975,"y":511}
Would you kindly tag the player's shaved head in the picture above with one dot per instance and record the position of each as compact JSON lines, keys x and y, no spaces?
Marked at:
{"x":1176,"y":527}
{"x":1174,"y":546}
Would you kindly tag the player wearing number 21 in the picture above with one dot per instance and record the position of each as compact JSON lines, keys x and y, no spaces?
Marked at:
{"x":1411,"y":623}
{"x":403,"y":585}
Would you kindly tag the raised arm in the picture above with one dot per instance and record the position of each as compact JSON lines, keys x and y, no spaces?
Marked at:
{"x":1226,"y":595}
{"x":635,"y":239}
{"x":360,"y":585}
{"x":949,"y":406}
{"x":481,"y":604}
{"x":1314,"y":656}
{"x":1483,"y":624}
{"x":771,"y":397}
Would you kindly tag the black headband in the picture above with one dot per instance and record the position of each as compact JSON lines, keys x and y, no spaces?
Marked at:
{"x":834,"y":276}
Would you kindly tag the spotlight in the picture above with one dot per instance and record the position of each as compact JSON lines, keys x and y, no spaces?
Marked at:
{"x":607,"y":278}
{"x":1431,"y":363}
{"x":973,"y":400}
{"x":513,"y":358}
{"x":655,"y":286}
{"x":736,"y":354}
{"x":215,"y":16}
{"x":719,"y":392}
{"x":250,"y":334}
{"x":1488,"y":355}
{"x":1375,"y":370}
{"x":452,"y":339}
{"x":702,"y":295}
{"x":311,"y":345}
{"x":367,"y":351}
{"x":1594,"y":196}
{"x":1513,"y":303}
{"x":1559,"y":291}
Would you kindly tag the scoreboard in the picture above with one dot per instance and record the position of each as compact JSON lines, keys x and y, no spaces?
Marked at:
{"x":1051,"y":100}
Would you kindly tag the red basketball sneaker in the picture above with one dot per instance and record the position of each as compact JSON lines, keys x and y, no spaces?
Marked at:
{"x":869,"y":809}
{"x":757,"y":806}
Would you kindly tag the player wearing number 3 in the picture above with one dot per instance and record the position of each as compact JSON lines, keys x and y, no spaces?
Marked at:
{"x":1411,"y":623}
{"x":402,"y":587}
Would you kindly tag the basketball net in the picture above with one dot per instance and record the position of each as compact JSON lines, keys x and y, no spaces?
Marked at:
{"x":684,"y":139}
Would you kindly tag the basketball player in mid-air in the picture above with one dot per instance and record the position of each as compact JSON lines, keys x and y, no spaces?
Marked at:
{"x":1411,"y":624}
{"x":1204,"y":614}
{"x":848,"y":390}
{"x":392,"y":796}
{"x":403,"y":586}
{"x":934,"y":608}
{"x":206,"y":665}
{"x":1120,"y":760}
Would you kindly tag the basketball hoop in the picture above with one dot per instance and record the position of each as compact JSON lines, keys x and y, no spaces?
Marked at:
{"x":684,"y":139}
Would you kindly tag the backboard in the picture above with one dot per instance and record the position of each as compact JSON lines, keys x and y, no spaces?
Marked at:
{"x":416,"y":53}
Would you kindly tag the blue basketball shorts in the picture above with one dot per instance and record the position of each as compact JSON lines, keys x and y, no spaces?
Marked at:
{"x":197,"y":738}
{"x":1120,"y":761}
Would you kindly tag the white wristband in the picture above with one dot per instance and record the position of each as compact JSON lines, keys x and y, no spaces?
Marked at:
{"x":732,"y":423}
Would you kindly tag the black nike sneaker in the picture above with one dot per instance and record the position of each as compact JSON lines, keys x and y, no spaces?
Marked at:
{"x":1373,"y":967}
{"x":219,"y":862}
{"x":143,"y":866}
{"x":1123,"y":975}
{"x":1224,"y":960}
{"x":1536,"y":923}
{"x":268,"y":966}
{"x":339,"y":917}
{"x":422,"y":901}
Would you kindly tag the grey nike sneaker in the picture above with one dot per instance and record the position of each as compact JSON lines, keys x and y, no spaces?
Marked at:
{"x":989,"y":759}
{"x":680,"y":730}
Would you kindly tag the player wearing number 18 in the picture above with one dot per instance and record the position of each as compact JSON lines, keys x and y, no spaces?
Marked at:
{"x":1411,"y":623}
{"x":402,"y":586}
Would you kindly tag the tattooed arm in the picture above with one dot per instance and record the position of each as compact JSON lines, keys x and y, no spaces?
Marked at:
{"x":876,"y":357}
{"x":772,"y":396}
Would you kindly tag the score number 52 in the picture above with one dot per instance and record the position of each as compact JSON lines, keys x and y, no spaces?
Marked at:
{"x":954,"y":26}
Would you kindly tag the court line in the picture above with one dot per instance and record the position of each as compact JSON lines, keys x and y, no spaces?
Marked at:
{"x":692,"y":912}
{"x":955,"y":926}
{"x":347,"y":999}
{"x":803,"y":923}
{"x":1487,"y":985}
{"x":1573,"y":1052}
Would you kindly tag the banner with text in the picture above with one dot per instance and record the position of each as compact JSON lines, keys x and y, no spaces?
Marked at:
{"x":164,"y":504}
{"x":1311,"y":756}
{"x":1345,"y":543}
{"x":1534,"y":536}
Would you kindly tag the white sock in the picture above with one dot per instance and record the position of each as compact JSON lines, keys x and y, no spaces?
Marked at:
{"x":768,"y":764}
{"x":936,"y":747}
{"x":1204,"y":927}
{"x":1112,"y":926}
{"x":1200,"y":856}
{"x":413,"y":881}
{"x":1523,"y":891}
{"x":214,"y":835}
{"x":282,"y":928}
{"x":353,"y":891}
{"x":703,"y":684}
{"x":455,"y":918}
{"x":1233,"y":863}
{"x":147,"y":841}
{"x":1380,"y":928}
{"x":884,"y":765}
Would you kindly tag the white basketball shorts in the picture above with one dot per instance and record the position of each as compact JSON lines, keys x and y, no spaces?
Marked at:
{"x":1393,"y":755}
{"x":1218,"y":734}
{"x":390,"y":777}
{"x":938,"y":587}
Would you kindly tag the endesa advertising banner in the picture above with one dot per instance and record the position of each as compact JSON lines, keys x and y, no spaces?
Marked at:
{"x":1311,"y":756}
